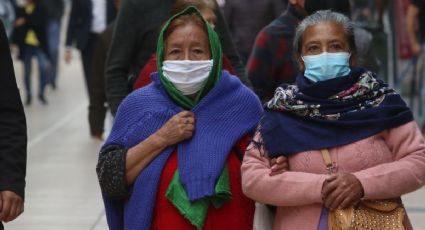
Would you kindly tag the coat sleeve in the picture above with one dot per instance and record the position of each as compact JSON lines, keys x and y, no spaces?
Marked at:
{"x":286,"y":189}
{"x":73,"y":23}
{"x":120,"y":55}
{"x":405,"y":174}
{"x":261,"y":65}
{"x":97,"y":107}
{"x":13,"y":130}
{"x":229,"y":48}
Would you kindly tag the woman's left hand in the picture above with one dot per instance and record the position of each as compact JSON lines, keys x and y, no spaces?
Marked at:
{"x":278,"y":165}
{"x":341,"y":190}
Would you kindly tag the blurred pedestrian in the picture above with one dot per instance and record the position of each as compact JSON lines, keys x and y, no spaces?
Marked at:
{"x":87,"y":20}
{"x":271,"y":61}
{"x":416,"y":19}
{"x":13,"y":138}
{"x":365,"y":53}
{"x":7,"y":15}
{"x":54,"y":10}
{"x":246,"y":18}
{"x":32,"y":42}
{"x":134,"y":42}
{"x":98,"y":105}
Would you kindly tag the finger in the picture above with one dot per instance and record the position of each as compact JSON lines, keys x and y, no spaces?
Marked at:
{"x":186,"y":113}
{"x":332,"y":177}
{"x":12,"y":212}
{"x":336,"y":202}
{"x":188,"y":127}
{"x":22,"y":208}
{"x":276,"y":172}
{"x":281,"y":159}
{"x":280,"y":167}
{"x":329,"y":185}
{"x":6,"y":209}
{"x":346,"y":202}
{"x":19,"y":206}
{"x":272,"y":162}
{"x":181,"y":120}
{"x":189,"y":120}
{"x":19,"y":209}
{"x":330,"y":199}
{"x":188,"y":133}
{"x":186,"y":120}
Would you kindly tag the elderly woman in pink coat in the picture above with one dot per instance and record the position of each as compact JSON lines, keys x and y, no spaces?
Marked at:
{"x":376,"y":147}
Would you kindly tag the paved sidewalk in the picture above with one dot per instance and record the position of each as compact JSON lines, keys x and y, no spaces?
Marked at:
{"x":62,"y":189}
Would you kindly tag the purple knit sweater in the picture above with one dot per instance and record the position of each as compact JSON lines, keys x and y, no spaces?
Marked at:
{"x":227,"y":113}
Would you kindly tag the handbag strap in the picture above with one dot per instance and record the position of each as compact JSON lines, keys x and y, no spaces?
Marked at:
{"x":330,"y":166}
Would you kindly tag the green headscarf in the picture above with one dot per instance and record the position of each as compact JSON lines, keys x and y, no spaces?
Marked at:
{"x":215,"y":73}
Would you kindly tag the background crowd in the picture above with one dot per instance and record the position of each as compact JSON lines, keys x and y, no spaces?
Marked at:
{"x":254,"y":36}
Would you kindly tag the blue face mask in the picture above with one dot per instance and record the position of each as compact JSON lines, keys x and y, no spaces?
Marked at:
{"x":326,"y":66}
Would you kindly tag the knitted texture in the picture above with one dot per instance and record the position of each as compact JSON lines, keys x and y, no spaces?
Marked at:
{"x":227,"y":113}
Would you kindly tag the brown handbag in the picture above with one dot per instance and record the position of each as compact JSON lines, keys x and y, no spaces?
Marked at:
{"x":367,"y":214}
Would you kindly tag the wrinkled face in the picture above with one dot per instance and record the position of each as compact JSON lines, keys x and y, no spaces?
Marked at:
{"x":323,"y":37}
{"x":209,"y":16}
{"x":187,"y":42}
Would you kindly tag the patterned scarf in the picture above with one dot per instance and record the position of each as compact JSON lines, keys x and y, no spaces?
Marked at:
{"x":309,"y":116}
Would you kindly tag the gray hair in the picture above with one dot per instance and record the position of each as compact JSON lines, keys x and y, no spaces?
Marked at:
{"x":325,"y":16}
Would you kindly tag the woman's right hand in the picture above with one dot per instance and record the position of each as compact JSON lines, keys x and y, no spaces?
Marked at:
{"x":278,"y":165}
{"x":341,"y":190}
{"x":179,"y":128}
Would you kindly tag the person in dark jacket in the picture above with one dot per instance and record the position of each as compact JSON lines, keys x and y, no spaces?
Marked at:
{"x":98,"y":105}
{"x":13,"y":138}
{"x":87,"y":20}
{"x":246,"y":18}
{"x":134,"y":42}
{"x":54,"y":10}
{"x":416,"y":18}
{"x":271,"y":62}
{"x":32,"y":41}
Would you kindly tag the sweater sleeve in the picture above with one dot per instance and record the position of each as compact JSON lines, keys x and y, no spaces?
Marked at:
{"x":405,"y":174}
{"x":111,"y":171}
{"x":286,"y":189}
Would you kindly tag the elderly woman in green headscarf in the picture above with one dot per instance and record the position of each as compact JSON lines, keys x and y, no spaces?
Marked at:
{"x":172,"y":159}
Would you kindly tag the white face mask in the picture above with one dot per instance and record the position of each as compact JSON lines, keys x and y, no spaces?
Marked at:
{"x":187,"y":76}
